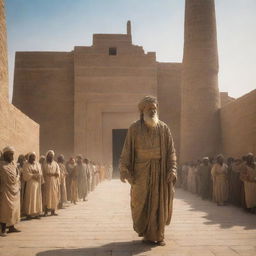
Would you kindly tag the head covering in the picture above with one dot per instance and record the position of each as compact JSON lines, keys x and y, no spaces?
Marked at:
{"x":206,"y":158}
{"x":8,"y":149}
{"x":31,"y":153}
{"x":145,"y":101}
{"x":49,"y":151}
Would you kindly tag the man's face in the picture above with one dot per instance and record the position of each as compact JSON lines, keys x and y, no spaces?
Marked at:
{"x":79,"y":160}
{"x":9,"y":156}
{"x":32,"y":158}
{"x":49,"y":157}
{"x":150,"y":110}
{"x":250,"y":159}
{"x":220,"y":160}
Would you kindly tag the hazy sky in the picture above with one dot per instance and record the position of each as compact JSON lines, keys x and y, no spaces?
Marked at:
{"x":157,"y":25}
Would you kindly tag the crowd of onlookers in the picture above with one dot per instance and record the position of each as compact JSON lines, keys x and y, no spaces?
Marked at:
{"x":34,"y":188}
{"x":225,"y":182}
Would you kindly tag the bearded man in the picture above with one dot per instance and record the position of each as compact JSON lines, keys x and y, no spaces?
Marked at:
{"x":148,"y":163}
{"x":9,"y":192}
{"x":51,"y":195}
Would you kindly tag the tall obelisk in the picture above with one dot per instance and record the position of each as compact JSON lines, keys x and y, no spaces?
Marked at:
{"x":200,"y":94}
{"x":3,"y":53}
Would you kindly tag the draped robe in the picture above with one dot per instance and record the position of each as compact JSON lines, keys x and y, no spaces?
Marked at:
{"x":9,"y":193}
{"x":204,"y":174}
{"x":82,"y":172}
{"x":220,"y":183}
{"x":51,"y":172}
{"x":249,"y":178}
{"x":33,"y":192}
{"x":147,"y":158}
{"x":63,"y":189}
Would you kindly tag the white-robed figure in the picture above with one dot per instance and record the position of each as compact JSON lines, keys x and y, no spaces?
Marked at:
{"x":33,"y":176}
{"x":51,"y":194}
{"x":9,"y":192}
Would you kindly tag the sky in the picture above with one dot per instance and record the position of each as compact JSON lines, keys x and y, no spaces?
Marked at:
{"x":157,"y":25}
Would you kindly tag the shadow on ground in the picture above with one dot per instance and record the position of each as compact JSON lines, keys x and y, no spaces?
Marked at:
{"x":118,"y":248}
{"x":226,"y":216}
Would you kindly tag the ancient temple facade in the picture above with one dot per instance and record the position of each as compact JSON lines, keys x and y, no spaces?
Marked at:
{"x":85,"y":99}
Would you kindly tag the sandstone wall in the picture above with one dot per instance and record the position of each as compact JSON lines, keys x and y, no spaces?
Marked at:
{"x":238,"y":125}
{"x":3,"y":53}
{"x":43,"y":90}
{"x":200,"y":124}
{"x":225,"y":98}
{"x":169,"y":97}
{"x":17,"y":130}
{"x":107,"y":91}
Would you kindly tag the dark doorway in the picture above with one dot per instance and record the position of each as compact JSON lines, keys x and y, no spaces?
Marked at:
{"x":118,"y":138}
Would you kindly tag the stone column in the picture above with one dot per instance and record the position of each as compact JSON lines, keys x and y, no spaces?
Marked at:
{"x":3,"y":53}
{"x":200,"y":94}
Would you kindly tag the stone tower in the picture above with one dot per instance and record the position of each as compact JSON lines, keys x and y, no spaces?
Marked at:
{"x":3,"y":53}
{"x":200,"y":93}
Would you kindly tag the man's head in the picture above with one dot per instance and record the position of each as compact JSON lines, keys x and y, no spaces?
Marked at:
{"x":32,"y":157}
{"x":205,"y":160}
{"x":79,"y":159}
{"x":220,"y":159}
{"x":61,"y":159}
{"x":42,"y":159}
{"x":49,"y":156}
{"x":148,"y":110}
{"x":72,"y":160}
{"x":8,"y":154}
{"x":250,"y":159}
{"x":86,"y":161}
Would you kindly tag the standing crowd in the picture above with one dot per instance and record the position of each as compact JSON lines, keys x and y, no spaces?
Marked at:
{"x":230,"y":182}
{"x":32,"y":189}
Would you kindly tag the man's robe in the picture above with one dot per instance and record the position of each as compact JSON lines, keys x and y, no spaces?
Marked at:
{"x":63,"y":189}
{"x":235,"y":185}
{"x":51,"y":195}
{"x":33,"y":192}
{"x":249,"y":178}
{"x":204,"y":172}
{"x":9,"y":193}
{"x":220,"y":183}
{"x":82,"y":173}
{"x":147,"y":158}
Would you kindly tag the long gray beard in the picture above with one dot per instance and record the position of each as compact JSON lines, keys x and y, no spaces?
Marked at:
{"x":151,"y":121}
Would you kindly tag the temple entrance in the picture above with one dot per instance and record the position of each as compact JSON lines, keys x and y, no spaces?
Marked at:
{"x":118,"y":138}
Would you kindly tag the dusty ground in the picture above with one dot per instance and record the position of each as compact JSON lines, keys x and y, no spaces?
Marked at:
{"x":102,"y":226}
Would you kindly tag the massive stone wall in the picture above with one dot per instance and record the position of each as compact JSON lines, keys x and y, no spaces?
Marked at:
{"x":17,"y":130}
{"x":3,"y":53}
{"x":238,"y":126}
{"x":169,"y":97}
{"x":200,"y":95}
{"x":43,"y":90}
{"x":107,"y":91}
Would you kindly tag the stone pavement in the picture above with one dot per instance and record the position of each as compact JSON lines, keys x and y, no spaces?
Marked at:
{"x":102,"y":226}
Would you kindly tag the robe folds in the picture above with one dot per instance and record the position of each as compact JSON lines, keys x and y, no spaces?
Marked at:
{"x":9,"y":193}
{"x":249,"y":178}
{"x":148,"y":157}
{"x":220,"y":183}
{"x":33,"y":193}
{"x":82,"y":174}
{"x":63,"y":188}
{"x":205,"y":176}
{"x":51,"y":195}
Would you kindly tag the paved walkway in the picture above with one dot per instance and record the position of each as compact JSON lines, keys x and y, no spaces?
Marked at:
{"x":102,"y":226}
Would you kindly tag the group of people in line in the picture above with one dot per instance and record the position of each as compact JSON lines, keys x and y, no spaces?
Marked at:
{"x":31,"y":189}
{"x":225,"y":182}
